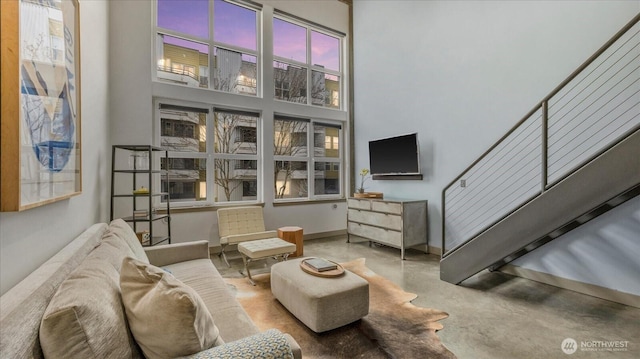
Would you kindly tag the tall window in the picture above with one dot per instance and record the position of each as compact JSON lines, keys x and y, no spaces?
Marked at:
{"x":307,"y":61}
{"x":295,"y":162}
{"x":215,"y":148}
{"x":183,"y":134}
{"x":212,"y":157}
{"x":236,"y":155}
{"x":185,"y":52}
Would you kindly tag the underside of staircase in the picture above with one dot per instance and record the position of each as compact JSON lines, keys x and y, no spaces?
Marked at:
{"x":602,"y":184}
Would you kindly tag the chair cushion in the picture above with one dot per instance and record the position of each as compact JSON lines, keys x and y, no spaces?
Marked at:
{"x":262,"y":248}
{"x":237,"y":238}
{"x":121,"y":229}
{"x":167,"y":318}
{"x":85,"y":318}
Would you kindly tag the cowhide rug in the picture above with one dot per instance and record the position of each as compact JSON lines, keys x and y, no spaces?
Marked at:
{"x":394,"y":328}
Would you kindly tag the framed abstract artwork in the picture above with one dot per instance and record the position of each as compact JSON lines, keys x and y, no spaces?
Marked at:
{"x":40,"y":148}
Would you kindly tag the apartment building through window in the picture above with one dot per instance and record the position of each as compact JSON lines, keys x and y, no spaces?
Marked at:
{"x":296,"y":73}
{"x":212,"y":154}
{"x":184,"y":47}
{"x":296,"y":163}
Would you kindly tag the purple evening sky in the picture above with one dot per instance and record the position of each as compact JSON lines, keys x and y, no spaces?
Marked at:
{"x":236,"y":25}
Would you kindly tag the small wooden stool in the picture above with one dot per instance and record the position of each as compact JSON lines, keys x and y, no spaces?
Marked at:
{"x":293,"y":235}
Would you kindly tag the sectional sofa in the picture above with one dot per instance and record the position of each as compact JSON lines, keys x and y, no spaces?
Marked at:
{"x":105,"y":296}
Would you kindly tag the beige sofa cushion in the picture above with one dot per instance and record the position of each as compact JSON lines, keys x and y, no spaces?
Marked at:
{"x":167,"y":318}
{"x":85,"y":318}
{"x":120,"y":250}
{"x":124,"y":231}
{"x":200,"y":274}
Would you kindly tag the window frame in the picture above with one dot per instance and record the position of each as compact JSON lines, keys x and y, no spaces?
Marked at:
{"x":209,"y":155}
{"x":311,"y":159}
{"x":310,"y":67}
{"x":212,"y":43}
{"x":258,"y":156}
{"x":265,"y":103}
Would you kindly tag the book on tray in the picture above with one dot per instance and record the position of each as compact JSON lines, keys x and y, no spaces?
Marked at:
{"x":320,"y":264}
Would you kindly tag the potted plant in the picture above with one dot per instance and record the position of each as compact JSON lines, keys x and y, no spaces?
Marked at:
{"x":364,"y":173}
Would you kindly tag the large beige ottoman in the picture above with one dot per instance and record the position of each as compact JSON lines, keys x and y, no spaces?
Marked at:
{"x":320,"y":303}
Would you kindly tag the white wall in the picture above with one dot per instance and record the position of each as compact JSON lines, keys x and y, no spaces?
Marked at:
{"x":132,"y":93}
{"x":29,"y":238}
{"x":461,"y":73}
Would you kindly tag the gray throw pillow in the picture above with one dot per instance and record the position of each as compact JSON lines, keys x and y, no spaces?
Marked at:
{"x":85,"y":318}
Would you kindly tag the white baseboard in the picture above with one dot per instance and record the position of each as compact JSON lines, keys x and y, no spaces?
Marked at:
{"x":341,"y":232}
{"x":434,"y":250}
{"x":580,"y":287}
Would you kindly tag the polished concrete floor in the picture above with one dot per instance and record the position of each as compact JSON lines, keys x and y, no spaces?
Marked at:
{"x":492,"y":315}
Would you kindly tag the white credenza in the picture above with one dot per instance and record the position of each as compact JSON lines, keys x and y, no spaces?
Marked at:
{"x":396,"y":223}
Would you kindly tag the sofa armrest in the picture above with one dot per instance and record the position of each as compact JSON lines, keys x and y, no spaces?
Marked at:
{"x":269,"y":344}
{"x":237,"y":238}
{"x":295,"y":347}
{"x":179,"y":252}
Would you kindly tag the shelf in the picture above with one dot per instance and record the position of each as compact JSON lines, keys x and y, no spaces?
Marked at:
{"x":155,"y":217}
{"x":141,"y":171}
{"x":144,"y":195}
{"x":129,"y":182}
{"x":139,"y":147}
{"x":155,"y":240}
{"x":397,"y":177}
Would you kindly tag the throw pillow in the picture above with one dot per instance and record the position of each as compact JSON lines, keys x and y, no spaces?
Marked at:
{"x":85,"y":317}
{"x":271,"y":344}
{"x":168,"y":319}
{"x":122,"y":230}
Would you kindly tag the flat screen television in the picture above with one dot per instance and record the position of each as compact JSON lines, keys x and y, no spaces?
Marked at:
{"x":397,"y":155}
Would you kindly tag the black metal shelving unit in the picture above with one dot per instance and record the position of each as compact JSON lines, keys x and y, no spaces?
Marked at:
{"x":146,"y":175}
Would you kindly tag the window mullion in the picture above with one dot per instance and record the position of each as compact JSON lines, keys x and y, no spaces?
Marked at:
{"x":309,"y":77}
{"x":311,"y":170}
{"x":181,"y":35}
{"x":290,"y":158}
{"x":290,"y":61}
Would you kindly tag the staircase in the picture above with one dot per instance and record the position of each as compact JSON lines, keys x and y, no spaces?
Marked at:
{"x":574,"y":156}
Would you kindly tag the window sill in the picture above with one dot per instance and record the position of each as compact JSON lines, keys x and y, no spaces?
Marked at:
{"x":208,"y":208}
{"x":215,"y":207}
{"x":308,"y":201}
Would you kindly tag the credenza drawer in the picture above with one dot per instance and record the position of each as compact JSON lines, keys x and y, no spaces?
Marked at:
{"x":359,"y":204}
{"x":385,"y":236}
{"x":390,"y":221}
{"x":386,"y":207}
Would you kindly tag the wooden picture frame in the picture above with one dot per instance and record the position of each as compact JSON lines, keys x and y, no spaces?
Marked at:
{"x":40,"y":137}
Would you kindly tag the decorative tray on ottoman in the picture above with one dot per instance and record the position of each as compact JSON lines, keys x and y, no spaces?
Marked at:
{"x":321,"y":267}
